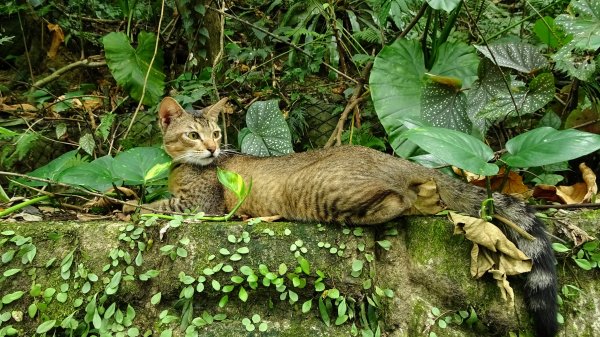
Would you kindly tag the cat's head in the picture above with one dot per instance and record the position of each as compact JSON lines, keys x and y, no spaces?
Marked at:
{"x":190,"y":136}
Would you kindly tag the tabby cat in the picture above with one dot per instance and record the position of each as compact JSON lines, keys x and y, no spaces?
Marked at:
{"x":347,"y":184}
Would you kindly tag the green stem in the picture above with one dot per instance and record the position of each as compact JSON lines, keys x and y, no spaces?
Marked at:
{"x":208,"y":218}
{"x":23,"y":204}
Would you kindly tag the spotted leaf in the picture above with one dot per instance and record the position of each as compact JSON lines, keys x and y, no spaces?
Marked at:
{"x":267,"y":133}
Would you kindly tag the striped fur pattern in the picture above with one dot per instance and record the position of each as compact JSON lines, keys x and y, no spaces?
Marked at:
{"x":348,"y":184}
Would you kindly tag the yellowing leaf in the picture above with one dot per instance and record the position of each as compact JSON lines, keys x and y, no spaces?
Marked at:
{"x":492,"y":252}
{"x":58,"y":37}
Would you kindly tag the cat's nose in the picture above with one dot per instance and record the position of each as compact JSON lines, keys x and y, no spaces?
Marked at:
{"x":211,"y":148}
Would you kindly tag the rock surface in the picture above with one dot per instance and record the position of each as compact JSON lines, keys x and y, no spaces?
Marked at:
{"x":405,"y":278}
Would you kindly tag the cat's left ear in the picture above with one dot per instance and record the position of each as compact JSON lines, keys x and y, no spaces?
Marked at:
{"x":168,"y":110}
{"x":212,"y":112}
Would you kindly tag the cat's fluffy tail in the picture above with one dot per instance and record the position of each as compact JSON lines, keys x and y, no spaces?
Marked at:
{"x":541,"y":283}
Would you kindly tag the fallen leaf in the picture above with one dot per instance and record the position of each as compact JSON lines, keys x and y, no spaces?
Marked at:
{"x":58,"y":37}
{"x":17,"y":107}
{"x":492,"y":252}
{"x":577,"y":235}
{"x":577,"y":193}
{"x":106,"y":203}
{"x":428,"y":200}
{"x":511,"y":184}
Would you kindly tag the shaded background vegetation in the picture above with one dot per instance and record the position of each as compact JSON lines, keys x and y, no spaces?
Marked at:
{"x":313,"y":56}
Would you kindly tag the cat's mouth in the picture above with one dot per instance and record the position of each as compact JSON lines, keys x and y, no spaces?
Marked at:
{"x":204,"y":158}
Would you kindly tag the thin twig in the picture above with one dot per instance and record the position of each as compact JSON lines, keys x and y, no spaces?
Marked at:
{"x":85,"y":191}
{"x":567,"y":206}
{"x":515,"y":227}
{"x":336,"y":135}
{"x":282,"y":40}
{"x":414,"y":21}
{"x":487,"y":46}
{"x":57,"y":74}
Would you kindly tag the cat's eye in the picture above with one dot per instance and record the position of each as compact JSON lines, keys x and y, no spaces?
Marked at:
{"x":216,"y":134}
{"x":193,"y":135}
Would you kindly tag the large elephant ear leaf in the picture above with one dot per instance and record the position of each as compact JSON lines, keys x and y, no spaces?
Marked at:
{"x":443,"y":102}
{"x":267,"y":133}
{"x":129,"y":66}
{"x":519,"y":56}
{"x":396,"y":86}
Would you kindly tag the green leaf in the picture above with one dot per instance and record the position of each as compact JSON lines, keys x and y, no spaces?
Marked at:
{"x":544,"y":146}
{"x":233,"y":182}
{"x":584,"y":264}
{"x":56,"y":167}
{"x":304,"y":265}
{"x":548,"y":32}
{"x":395,"y":83}
{"x":583,"y":24}
{"x":269,"y":133}
{"x":96,"y":175}
{"x":306,"y":306}
{"x":323,"y":311}
{"x":129,"y":66}
{"x":155,"y":299}
{"x":9,"y":298}
{"x":243,"y":294}
{"x":455,"y":148}
{"x":135,"y":165}
{"x":357,"y":265}
{"x":456,"y":60}
{"x":87,"y":143}
{"x":11,"y":272}
{"x":560,"y":248}
{"x":528,"y":99}
{"x":520,"y":56}
{"x":45,"y":326}
{"x":398,"y":90}
{"x":446,"y":5}
{"x":445,"y":107}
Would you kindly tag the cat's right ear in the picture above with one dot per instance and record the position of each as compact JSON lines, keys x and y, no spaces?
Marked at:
{"x":168,"y":110}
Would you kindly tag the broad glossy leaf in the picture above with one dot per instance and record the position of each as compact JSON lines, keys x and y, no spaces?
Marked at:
{"x":520,"y":56}
{"x":129,"y":66}
{"x":56,"y":167}
{"x":134,"y":165}
{"x":96,"y":175}
{"x":269,"y":134}
{"x":544,"y":146}
{"x":446,"y":5}
{"x":584,"y":24}
{"x":396,"y":85}
{"x":458,"y":60}
{"x":398,"y":88}
{"x":455,"y":148}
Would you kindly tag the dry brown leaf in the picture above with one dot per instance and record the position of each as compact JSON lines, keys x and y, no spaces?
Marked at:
{"x":492,"y":252}
{"x":17,"y":107}
{"x":58,"y":37}
{"x":577,"y":235}
{"x":512,"y":184}
{"x":428,"y":200}
{"x":577,"y":193}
